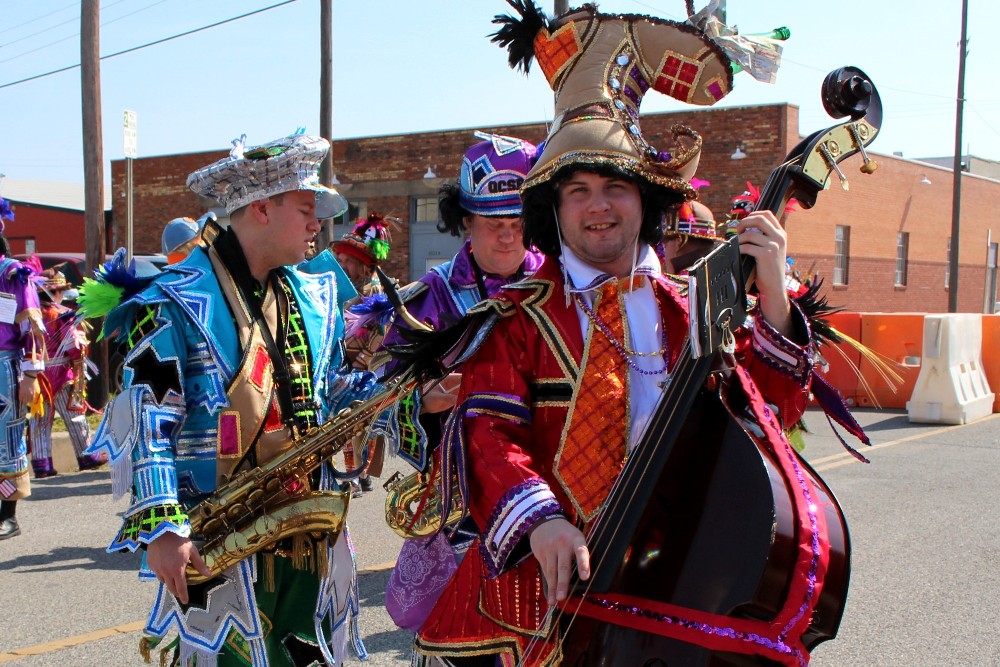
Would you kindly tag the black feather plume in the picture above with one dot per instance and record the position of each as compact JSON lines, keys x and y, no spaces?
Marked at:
{"x":517,"y":35}
{"x":815,"y":307}
{"x":429,"y":355}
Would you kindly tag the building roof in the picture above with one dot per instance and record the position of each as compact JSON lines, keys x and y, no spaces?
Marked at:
{"x":49,"y":193}
{"x":970,"y":164}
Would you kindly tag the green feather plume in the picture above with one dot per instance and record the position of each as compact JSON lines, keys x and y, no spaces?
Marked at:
{"x":379,"y":248}
{"x":98,"y":298}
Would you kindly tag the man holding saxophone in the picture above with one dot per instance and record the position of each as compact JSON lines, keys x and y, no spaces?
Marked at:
{"x":234,"y":363}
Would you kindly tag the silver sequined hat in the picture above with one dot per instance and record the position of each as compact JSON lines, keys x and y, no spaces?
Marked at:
{"x":261,"y":172}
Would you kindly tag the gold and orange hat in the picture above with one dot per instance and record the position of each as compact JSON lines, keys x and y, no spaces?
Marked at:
{"x":600,"y":67}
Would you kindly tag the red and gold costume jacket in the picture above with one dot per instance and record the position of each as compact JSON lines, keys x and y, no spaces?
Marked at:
{"x":514,"y":407}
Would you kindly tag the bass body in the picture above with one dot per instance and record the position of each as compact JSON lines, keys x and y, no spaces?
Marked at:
{"x":719,"y":536}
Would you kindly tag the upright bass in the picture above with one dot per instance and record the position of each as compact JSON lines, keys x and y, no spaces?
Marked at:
{"x":716,"y":548}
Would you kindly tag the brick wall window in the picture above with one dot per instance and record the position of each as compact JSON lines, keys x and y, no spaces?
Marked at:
{"x":902,"y":252}
{"x":947,"y":266}
{"x":425,"y":209}
{"x":841,"y":251}
{"x":345,"y":222}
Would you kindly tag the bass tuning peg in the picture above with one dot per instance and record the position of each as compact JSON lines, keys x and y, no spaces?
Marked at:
{"x":870,"y":165}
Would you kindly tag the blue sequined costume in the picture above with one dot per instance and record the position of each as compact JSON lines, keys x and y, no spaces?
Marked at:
{"x":166,"y":447}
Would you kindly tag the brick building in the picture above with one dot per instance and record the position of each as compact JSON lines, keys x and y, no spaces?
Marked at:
{"x":882,"y":246}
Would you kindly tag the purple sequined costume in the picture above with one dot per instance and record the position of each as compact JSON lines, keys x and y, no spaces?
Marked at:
{"x":22,"y":348}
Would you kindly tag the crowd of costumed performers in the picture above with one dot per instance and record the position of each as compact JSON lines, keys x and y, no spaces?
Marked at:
{"x":580,"y":473}
{"x":63,"y":383}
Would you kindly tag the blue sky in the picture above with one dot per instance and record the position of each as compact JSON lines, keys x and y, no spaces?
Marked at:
{"x":411,"y":66}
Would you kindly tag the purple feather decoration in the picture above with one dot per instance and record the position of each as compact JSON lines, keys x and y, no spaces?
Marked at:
{"x":375,"y":310}
{"x":6,"y":213}
{"x":22,"y":273}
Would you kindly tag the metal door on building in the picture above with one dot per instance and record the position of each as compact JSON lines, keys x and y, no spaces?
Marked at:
{"x":428,"y":246}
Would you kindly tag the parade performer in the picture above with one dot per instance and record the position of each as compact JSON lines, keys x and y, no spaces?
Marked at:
{"x":63,"y":384}
{"x":358,"y":252}
{"x":234,"y":354}
{"x":577,"y":357}
{"x":182,"y":235}
{"x":689,"y":236}
{"x":484,"y":206}
{"x":22,"y":358}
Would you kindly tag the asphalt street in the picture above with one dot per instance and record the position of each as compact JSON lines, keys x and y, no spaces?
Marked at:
{"x":923,"y":520}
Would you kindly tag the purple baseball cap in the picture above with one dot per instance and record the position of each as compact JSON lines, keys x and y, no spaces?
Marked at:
{"x":492,"y":173}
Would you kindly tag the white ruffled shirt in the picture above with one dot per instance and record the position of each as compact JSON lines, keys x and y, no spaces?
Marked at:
{"x":644,"y":331}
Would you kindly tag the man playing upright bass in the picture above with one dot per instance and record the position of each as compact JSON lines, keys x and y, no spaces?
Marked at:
{"x":554,"y":402}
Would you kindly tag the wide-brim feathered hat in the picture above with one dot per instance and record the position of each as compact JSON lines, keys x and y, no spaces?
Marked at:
{"x":692,"y":219}
{"x":600,"y":67}
{"x":53,"y":280}
{"x":369,"y":241}
{"x":255,"y":174}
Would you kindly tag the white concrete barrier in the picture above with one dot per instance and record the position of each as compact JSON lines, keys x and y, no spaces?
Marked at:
{"x":951,"y":387}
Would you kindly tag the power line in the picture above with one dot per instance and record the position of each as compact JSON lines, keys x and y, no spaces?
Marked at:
{"x":53,"y":27}
{"x":983,"y":118}
{"x":76,"y":34}
{"x":59,"y":25}
{"x":153,"y":43}
{"x":38,"y":18}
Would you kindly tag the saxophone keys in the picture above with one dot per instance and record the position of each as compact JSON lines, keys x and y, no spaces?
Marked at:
{"x":236,"y":542}
{"x":211,"y":527}
{"x":266,"y":525}
{"x":236,"y":511}
{"x":255,"y":497}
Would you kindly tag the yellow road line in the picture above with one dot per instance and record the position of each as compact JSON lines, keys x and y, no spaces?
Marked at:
{"x":821,"y":464}
{"x":97,"y":635}
{"x":843,"y":458}
{"x":70,"y":642}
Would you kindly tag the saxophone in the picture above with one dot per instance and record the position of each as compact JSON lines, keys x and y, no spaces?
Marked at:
{"x":413,"y":505}
{"x":256,"y":508}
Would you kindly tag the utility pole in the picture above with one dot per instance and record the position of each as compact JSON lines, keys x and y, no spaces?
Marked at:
{"x":93,"y":169}
{"x":326,"y":107}
{"x":956,"y":195}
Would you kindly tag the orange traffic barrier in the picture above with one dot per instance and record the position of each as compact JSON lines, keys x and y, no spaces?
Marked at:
{"x":991,"y":355}
{"x":899,"y":338}
{"x":843,"y":362}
